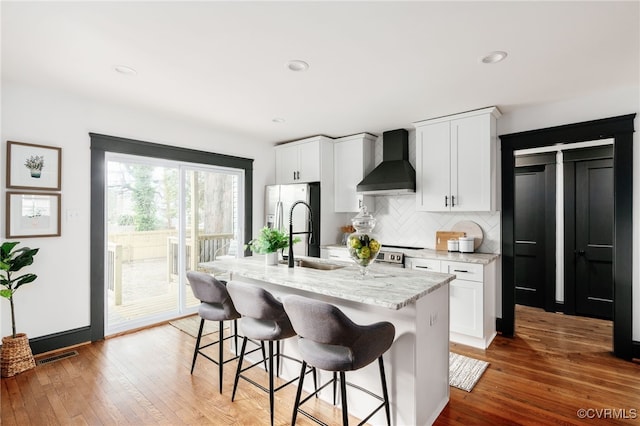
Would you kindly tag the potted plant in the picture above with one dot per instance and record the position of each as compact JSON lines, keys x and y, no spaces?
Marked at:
{"x":268,"y":242}
{"x":35,"y":163}
{"x":16,"y":355}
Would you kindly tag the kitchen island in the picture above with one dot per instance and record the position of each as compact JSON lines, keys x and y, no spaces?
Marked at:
{"x":417,"y":304}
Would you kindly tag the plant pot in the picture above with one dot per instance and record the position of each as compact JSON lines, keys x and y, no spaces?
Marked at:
{"x":16,"y":355}
{"x":35,"y":173}
{"x":271,"y":258}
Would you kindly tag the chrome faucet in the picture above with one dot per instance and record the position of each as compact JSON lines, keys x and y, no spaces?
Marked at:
{"x":291,"y":233}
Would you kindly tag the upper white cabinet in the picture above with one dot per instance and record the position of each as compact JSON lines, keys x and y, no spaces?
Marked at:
{"x":456,"y":162}
{"x":353,"y":159}
{"x":300,"y":161}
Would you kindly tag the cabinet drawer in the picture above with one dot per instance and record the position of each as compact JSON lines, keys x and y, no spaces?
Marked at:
{"x":464,"y":271}
{"x":430,"y":265}
{"x":338,"y":253}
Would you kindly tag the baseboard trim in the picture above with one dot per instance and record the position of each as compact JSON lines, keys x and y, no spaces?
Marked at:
{"x":60,"y":340}
{"x":635,"y":346}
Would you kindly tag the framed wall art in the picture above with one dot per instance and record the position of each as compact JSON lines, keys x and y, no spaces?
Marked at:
{"x":31,"y":166}
{"x":32,"y":214}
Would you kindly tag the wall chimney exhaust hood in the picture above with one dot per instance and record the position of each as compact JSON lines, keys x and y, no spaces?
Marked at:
{"x":395,"y":175}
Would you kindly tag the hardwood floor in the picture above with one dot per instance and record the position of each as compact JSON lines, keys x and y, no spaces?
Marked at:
{"x":555,"y":366}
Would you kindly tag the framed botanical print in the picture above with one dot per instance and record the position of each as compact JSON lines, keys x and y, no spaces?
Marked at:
{"x":32,"y":214}
{"x":31,"y":166}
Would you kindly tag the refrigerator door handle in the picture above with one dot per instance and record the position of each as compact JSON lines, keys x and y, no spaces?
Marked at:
{"x":278,"y":224}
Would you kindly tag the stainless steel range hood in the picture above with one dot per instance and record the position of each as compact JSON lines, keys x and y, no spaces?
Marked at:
{"x":394,"y":175}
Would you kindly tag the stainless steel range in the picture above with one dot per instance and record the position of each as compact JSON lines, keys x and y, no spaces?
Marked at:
{"x":393,"y":255}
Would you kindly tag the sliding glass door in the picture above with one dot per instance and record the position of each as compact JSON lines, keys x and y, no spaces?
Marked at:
{"x":164,"y":218}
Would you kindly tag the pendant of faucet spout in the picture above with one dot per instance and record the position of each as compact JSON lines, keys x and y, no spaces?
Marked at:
{"x":290,"y":260}
{"x":294,"y":205}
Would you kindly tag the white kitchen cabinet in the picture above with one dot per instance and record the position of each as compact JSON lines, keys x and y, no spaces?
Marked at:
{"x":466,"y":299}
{"x":354,"y":158}
{"x":456,"y":162}
{"x":299,"y":162}
{"x":472,"y":319}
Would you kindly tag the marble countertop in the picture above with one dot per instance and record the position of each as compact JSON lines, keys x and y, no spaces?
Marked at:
{"x":384,"y":286}
{"x":481,"y":258}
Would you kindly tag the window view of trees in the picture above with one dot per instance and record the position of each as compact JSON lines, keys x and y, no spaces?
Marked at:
{"x":145,"y":198}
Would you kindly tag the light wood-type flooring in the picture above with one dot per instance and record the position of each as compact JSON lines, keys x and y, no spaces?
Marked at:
{"x":555,"y":366}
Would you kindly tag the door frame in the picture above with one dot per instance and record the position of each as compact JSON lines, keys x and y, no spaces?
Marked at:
{"x":621,"y":129}
{"x":100,"y":144}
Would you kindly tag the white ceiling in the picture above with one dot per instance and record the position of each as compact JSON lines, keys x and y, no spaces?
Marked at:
{"x":375,"y":66}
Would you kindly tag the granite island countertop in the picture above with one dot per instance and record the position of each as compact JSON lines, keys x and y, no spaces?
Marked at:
{"x":384,"y":286}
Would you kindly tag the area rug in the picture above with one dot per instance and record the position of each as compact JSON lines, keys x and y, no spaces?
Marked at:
{"x":191,"y":325}
{"x":464,"y":372}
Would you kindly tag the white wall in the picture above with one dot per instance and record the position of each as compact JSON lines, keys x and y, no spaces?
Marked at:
{"x":604,"y":104}
{"x":59,"y":299}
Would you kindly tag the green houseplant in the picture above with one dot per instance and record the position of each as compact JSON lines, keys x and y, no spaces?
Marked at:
{"x":268,"y":242}
{"x":16,"y":355}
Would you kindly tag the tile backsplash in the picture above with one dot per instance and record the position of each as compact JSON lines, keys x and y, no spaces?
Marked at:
{"x":398,"y":223}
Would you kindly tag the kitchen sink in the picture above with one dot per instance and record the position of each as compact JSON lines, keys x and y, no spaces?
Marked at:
{"x":322,"y":266}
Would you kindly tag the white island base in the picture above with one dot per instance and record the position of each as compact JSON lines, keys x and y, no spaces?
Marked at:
{"x":416,"y":366}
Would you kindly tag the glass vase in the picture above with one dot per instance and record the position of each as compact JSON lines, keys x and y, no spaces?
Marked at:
{"x":363,"y":244}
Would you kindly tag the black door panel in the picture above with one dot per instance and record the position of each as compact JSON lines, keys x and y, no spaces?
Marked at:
{"x":594,"y":238}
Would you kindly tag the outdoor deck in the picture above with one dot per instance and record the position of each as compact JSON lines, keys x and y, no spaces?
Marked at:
{"x":146,"y":290}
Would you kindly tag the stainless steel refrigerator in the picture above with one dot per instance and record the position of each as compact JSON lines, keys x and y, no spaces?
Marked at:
{"x":278,"y":201}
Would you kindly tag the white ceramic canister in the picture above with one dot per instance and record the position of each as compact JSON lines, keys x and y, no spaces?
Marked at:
{"x":452,"y":245}
{"x":465,"y":244}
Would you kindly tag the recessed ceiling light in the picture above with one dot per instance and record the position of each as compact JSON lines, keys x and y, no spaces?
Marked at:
{"x":123,"y":69}
{"x":278,"y":120}
{"x":297,"y":65}
{"x":494,"y":57}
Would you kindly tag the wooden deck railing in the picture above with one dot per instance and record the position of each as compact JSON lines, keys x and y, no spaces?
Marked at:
{"x":114,"y":271}
{"x":208,"y":247}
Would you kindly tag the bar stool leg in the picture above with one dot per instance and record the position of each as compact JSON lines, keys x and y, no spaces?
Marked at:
{"x":271,"y":380}
{"x":235,"y":382}
{"x":343,"y":395}
{"x":385,"y":394}
{"x":299,"y":392}
{"x":335,"y":384}
{"x":264,"y":356}
{"x":220,"y":352}
{"x":195,"y":352}
{"x":235,"y":335}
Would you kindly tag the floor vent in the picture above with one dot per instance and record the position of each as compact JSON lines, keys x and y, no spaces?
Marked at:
{"x":55,"y":358}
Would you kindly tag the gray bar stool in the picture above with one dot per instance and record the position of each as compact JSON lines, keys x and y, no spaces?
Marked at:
{"x":215,"y":305}
{"x":263,"y":319}
{"x":330,"y":341}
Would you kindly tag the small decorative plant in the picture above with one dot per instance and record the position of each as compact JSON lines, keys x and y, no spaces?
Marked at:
{"x":35,"y":162}
{"x":11,"y":261}
{"x":270,"y":240}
